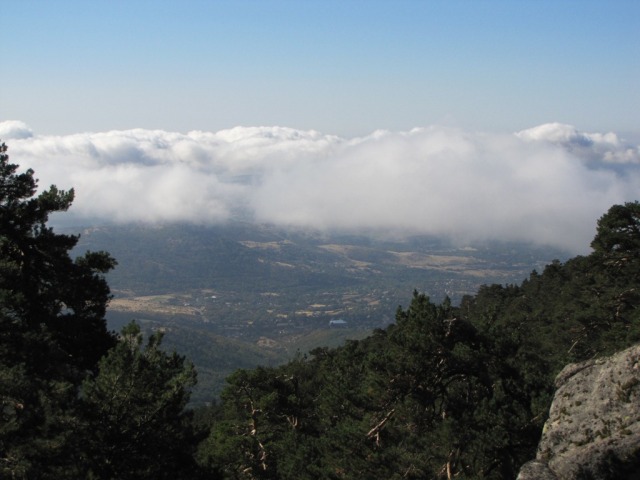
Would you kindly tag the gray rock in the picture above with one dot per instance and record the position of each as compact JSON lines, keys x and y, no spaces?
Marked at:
{"x":535,"y":470}
{"x":593,"y":430}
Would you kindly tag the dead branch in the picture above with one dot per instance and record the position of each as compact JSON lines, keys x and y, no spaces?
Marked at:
{"x":375,"y":431}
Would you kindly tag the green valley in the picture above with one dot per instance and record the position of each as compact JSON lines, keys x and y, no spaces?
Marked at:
{"x":240,"y":295}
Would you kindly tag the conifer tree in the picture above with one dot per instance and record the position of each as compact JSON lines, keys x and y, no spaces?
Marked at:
{"x":52,"y":327}
{"x":134,"y":409}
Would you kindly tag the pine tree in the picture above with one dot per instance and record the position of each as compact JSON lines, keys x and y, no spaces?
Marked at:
{"x":52,"y":327}
{"x":134,"y":409}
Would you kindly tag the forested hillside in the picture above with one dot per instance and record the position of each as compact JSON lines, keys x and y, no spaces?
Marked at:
{"x":446,"y":391}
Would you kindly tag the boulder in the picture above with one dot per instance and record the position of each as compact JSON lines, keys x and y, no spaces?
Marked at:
{"x":593,"y":430}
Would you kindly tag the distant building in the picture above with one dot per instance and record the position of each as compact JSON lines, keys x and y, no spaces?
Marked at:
{"x":337,"y":324}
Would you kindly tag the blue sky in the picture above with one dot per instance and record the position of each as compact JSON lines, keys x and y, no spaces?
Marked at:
{"x":344,"y":67}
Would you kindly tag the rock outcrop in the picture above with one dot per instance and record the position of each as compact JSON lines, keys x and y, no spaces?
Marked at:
{"x":593,"y":430}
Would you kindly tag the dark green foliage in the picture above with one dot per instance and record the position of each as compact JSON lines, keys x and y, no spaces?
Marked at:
{"x":52,"y":328}
{"x":127,"y":421}
{"x":445,"y":392}
{"x":133,"y":410}
{"x":618,"y":232}
{"x":617,"y":254}
{"x":429,"y":396}
{"x":41,"y":287}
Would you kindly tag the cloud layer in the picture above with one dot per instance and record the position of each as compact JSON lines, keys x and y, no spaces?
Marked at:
{"x":548,"y":184}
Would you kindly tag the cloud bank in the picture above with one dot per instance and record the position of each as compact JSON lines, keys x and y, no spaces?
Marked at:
{"x":548,"y":184}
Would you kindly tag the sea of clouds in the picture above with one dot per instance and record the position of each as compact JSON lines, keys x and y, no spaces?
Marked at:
{"x":548,"y":184}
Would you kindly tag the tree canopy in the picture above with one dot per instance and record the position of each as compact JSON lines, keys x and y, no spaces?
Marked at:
{"x":52,"y":327}
{"x":444,"y":392}
{"x":134,"y":409}
{"x":71,"y":392}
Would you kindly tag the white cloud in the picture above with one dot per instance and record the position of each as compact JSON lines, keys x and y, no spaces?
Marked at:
{"x":597,"y":147}
{"x":12,"y":129}
{"x":547,"y":184}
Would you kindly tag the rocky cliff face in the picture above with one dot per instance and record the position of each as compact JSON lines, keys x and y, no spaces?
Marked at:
{"x":593,"y":430}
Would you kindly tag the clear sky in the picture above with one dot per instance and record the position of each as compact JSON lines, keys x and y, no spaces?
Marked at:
{"x":345,"y":67}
